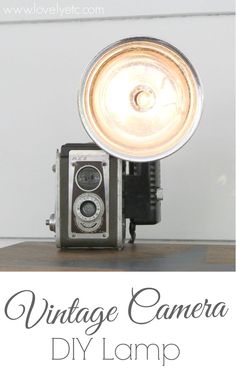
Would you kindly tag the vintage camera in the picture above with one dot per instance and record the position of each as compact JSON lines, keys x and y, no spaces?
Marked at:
{"x":97,"y":192}
{"x":140,"y":100}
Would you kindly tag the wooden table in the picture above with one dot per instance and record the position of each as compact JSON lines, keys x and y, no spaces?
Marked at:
{"x":44,"y":256}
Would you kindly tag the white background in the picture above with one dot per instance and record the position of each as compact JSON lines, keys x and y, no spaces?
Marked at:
{"x":40,"y":69}
{"x":205,"y":344}
{"x":120,"y":8}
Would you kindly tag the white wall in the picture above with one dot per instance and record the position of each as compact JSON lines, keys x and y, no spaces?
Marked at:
{"x":40,"y":68}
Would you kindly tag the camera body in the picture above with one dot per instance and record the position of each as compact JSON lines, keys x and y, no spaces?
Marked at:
{"x":96,"y":193}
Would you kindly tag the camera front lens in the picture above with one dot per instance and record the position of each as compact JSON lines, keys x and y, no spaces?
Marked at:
{"x":88,"y":178}
{"x":88,"y":209}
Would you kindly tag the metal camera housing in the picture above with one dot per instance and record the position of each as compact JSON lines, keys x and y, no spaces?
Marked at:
{"x":123,"y":191}
{"x":105,"y":227}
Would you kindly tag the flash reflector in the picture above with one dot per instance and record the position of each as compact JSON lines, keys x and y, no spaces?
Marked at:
{"x":140,"y":99}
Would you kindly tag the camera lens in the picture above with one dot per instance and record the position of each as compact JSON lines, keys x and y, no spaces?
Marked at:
{"x":88,"y":178}
{"x":88,"y":208}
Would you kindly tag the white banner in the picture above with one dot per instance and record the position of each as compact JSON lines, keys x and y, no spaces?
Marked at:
{"x":83,"y":321}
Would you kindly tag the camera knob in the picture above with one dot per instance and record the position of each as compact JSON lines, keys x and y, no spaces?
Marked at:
{"x":51,"y":223}
{"x":159,"y":194}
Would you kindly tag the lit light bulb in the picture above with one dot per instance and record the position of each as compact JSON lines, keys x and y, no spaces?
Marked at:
{"x":140,"y":99}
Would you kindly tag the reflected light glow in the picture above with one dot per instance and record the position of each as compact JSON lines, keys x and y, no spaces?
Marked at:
{"x":140,"y":99}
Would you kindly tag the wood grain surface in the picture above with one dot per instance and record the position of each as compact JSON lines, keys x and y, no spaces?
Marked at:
{"x":44,"y":256}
